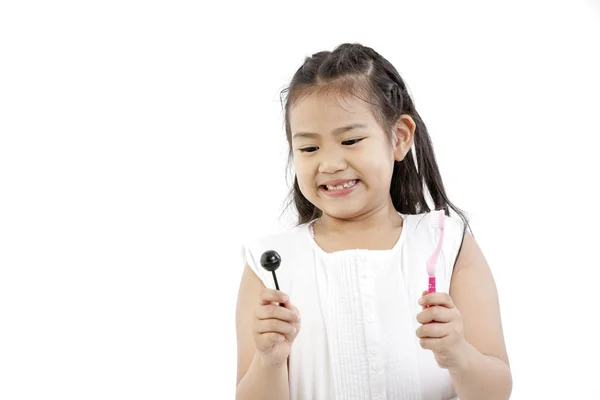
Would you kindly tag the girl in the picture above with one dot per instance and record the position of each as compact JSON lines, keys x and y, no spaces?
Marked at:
{"x":354,"y":321}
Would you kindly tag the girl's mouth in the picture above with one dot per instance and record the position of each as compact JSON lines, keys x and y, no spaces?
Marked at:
{"x":340,"y":190}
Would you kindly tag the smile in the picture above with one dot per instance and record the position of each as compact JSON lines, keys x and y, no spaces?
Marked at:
{"x":336,"y":191}
{"x":341,"y":187}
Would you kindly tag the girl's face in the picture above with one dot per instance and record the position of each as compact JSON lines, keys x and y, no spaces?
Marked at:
{"x":343,"y":159}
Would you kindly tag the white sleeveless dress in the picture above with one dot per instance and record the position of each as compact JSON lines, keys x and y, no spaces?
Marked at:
{"x":357,"y":338}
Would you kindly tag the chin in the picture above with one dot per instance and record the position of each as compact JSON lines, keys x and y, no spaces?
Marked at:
{"x":341,"y":211}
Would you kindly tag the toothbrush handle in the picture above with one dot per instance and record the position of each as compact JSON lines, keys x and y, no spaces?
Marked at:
{"x":431,"y":288}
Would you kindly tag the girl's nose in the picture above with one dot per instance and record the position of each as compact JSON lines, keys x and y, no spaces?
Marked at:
{"x":332,"y":163}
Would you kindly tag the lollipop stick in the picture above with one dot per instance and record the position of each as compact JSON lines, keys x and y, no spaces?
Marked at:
{"x":275,"y":278}
{"x":277,"y":286}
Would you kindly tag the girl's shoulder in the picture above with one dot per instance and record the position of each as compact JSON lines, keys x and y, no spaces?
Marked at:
{"x":292,"y":244}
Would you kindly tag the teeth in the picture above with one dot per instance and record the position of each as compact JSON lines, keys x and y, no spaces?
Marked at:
{"x":340,"y":187}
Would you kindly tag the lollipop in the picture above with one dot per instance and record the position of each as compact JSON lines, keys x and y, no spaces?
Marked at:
{"x":270,"y":261}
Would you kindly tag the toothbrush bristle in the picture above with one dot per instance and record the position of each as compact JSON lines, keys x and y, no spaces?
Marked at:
{"x":439,"y":224}
{"x":439,"y":221}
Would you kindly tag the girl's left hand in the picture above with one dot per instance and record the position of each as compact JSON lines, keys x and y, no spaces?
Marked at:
{"x":442,"y":329}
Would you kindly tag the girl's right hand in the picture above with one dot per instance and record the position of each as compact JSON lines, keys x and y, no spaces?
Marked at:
{"x":275,"y":327}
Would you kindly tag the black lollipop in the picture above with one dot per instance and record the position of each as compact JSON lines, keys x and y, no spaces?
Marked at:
{"x":270,"y":260}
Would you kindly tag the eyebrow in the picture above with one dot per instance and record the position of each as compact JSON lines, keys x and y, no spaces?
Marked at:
{"x":336,"y":132}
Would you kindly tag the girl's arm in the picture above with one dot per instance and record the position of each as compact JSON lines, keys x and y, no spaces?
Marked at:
{"x":255,"y":380}
{"x":483,"y":370}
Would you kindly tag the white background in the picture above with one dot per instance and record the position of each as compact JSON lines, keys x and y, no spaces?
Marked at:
{"x":141,"y":143}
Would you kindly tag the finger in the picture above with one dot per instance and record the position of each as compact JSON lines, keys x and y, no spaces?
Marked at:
{"x":276,"y":326}
{"x":430,"y":344}
{"x":434,"y":330}
{"x":296,"y":311}
{"x":271,"y":311}
{"x":437,"y":299}
{"x":267,"y":340}
{"x":298,"y":320}
{"x":268,"y":296}
{"x":435,"y":314}
{"x":423,"y":294}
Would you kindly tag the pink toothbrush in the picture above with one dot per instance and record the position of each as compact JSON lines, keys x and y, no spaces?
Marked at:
{"x":432,"y":261}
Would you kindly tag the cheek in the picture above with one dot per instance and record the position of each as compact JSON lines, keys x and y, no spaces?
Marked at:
{"x":304,"y":175}
{"x":380,"y":171}
{"x":303,"y":186}
{"x":378,"y":162}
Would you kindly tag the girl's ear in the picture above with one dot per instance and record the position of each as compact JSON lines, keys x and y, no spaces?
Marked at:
{"x":404,"y":133}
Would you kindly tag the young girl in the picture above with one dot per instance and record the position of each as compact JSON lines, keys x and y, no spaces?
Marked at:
{"x":353,"y":318}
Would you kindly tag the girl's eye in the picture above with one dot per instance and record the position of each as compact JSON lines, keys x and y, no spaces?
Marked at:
{"x":312,"y":149}
{"x":351,"y":141}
